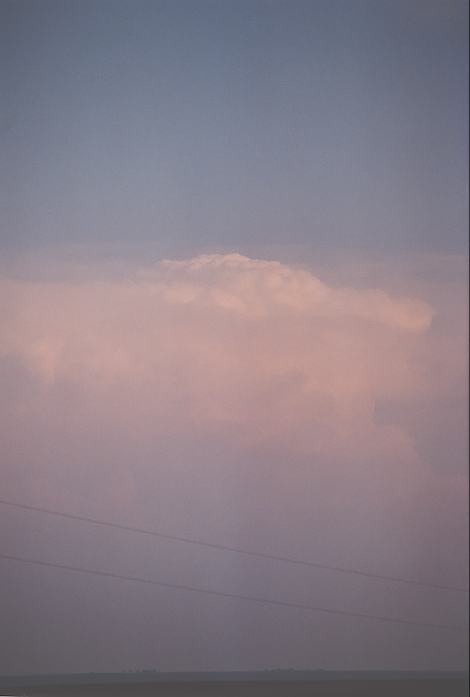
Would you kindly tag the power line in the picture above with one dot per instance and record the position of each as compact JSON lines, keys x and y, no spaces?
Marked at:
{"x":237,"y":550}
{"x":223,"y":594}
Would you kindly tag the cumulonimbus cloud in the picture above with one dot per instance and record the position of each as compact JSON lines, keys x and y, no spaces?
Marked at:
{"x":224,"y":342}
{"x":255,"y":288}
{"x":188,"y":378}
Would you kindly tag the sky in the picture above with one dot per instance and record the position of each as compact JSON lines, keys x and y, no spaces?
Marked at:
{"x":234,"y":307}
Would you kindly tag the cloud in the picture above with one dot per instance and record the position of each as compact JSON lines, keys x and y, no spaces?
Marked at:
{"x":223,"y":344}
{"x":255,"y":288}
{"x":229,"y":392}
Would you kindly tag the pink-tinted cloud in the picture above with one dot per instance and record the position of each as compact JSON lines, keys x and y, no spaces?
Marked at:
{"x":224,"y":342}
{"x":221,"y":395}
{"x":258,"y":353}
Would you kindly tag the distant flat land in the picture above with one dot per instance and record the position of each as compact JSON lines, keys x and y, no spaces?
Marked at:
{"x":444,"y":687}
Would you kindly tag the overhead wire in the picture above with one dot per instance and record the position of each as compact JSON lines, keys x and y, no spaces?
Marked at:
{"x":225,"y":594}
{"x":232,"y":549}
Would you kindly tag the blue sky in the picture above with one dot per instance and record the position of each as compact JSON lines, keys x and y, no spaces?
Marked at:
{"x":234,"y":124}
